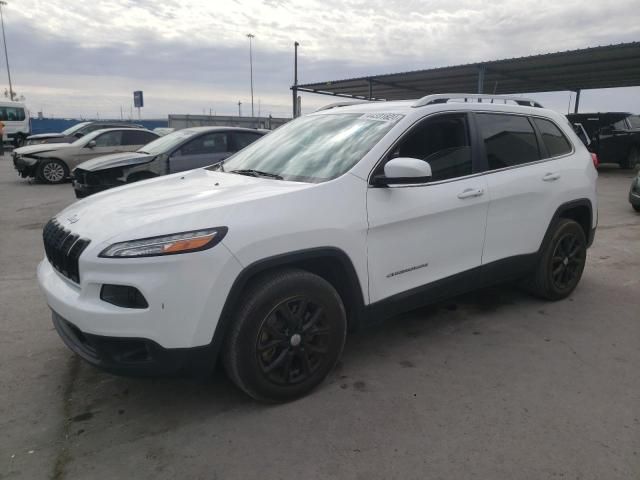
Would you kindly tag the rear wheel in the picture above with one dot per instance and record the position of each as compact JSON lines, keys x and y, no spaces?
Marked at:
{"x":562,"y":262}
{"x":52,"y":171}
{"x":633,"y":158}
{"x":19,"y":140}
{"x":287,"y":335}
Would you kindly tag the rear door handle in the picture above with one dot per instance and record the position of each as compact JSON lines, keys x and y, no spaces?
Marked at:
{"x":550,"y":177}
{"x":470,"y":193}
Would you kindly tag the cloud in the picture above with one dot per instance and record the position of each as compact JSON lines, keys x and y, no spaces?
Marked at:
{"x":76,"y":57}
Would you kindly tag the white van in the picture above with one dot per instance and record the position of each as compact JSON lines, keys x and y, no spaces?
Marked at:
{"x":15,"y":117}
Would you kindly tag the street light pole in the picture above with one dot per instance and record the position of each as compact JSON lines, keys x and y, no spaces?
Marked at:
{"x":251,"y":36}
{"x":6,"y":55}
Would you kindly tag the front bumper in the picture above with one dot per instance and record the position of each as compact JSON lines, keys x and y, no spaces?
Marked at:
{"x":185,"y":295}
{"x":131,"y":356}
{"x":634,"y":198}
{"x":26,"y":168}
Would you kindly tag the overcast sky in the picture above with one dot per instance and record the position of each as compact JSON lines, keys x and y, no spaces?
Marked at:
{"x":78,"y":57}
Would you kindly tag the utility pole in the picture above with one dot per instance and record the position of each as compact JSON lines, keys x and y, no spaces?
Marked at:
{"x":294,"y":89}
{"x":6,"y":55}
{"x":239,"y":109}
{"x":251,"y":36}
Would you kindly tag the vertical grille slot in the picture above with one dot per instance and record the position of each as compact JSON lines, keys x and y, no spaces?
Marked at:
{"x":63,"y":249}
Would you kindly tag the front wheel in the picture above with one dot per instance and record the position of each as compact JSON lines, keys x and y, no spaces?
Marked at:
{"x":562,"y":262}
{"x":636,"y":208}
{"x":286,"y":336}
{"x":52,"y":171}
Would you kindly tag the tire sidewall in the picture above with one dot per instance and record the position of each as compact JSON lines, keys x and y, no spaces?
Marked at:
{"x":258,"y":307}
{"x":43,"y":163}
{"x":564,"y":227}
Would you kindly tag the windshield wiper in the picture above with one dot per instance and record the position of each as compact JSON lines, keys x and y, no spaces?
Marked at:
{"x":256,"y":173}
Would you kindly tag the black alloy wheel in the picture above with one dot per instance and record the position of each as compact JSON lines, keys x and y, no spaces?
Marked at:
{"x":293,"y":341}
{"x":285,"y":336}
{"x":567,"y":261}
{"x":562,"y":260}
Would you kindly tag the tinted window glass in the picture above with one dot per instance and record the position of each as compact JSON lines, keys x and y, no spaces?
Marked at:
{"x":555,"y":141}
{"x":137,"y":137}
{"x":245,"y":138}
{"x":443,"y":142}
{"x":109,"y":139}
{"x":209,"y":143}
{"x":509,"y":140}
{"x":12,"y":114}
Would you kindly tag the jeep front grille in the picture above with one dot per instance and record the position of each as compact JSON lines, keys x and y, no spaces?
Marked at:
{"x":63,"y":249}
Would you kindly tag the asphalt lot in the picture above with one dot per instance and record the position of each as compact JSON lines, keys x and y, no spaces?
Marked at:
{"x":492,"y":385}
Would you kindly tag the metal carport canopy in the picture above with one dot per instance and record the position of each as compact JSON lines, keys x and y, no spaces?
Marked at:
{"x":574,"y":70}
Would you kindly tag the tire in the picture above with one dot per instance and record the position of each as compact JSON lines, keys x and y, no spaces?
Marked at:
{"x":633,"y":158}
{"x":273,"y":353}
{"x":562,"y":262}
{"x":52,"y":171}
{"x":636,"y":208}
{"x":19,"y":141}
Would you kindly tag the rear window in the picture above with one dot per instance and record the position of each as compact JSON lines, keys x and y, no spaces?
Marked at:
{"x":509,"y":140}
{"x":553,"y":138}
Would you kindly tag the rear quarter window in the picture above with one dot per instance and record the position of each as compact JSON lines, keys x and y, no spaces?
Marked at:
{"x":555,"y":141}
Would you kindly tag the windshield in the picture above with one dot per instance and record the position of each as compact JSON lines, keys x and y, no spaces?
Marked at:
{"x":166,"y":143}
{"x":75,"y":128}
{"x":634,"y":120}
{"x":315,"y":148}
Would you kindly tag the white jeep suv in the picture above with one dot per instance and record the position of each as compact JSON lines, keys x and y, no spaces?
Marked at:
{"x":332,"y":221}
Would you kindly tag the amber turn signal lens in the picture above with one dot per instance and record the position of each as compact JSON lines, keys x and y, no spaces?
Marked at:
{"x":190,"y":244}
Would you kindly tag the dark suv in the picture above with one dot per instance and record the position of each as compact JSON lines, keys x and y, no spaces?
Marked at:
{"x":613,"y":136}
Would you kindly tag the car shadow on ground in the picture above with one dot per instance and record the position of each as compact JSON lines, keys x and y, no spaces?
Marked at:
{"x":161,"y":404}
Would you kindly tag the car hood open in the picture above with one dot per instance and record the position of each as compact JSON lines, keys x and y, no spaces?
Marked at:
{"x":42,"y":148}
{"x":124,"y":159}
{"x":185,"y":201}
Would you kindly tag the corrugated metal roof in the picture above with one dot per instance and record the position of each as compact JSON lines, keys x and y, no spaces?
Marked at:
{"x":596,"y":67}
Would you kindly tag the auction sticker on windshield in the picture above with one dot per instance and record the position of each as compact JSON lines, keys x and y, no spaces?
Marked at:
{"x":382,"y":117}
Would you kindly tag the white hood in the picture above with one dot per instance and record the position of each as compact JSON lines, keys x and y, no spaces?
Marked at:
{"x":175,"y":203}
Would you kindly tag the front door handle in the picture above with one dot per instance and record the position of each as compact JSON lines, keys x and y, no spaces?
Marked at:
{"x":470,"y":193}
{"x":550,"y":177}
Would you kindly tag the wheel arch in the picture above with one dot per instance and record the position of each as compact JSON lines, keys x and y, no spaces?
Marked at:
{"x":330,"y":263}
{"x":581,"y":211}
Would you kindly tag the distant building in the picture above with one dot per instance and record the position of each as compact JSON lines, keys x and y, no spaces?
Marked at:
{"x":185,"y":121}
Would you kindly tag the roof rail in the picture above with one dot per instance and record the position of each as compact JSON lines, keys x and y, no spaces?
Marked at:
{"x":445,"y":97}
{"x":341,"y":104}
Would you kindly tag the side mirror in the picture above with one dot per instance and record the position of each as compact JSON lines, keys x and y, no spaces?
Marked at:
{"x":92,"y":144}
{"x":608,"y":129}
{"x":404,"y":171}
{"x":78,"y":135}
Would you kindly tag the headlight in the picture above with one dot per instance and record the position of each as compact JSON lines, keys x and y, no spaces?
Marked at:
{"x":183,"y":242}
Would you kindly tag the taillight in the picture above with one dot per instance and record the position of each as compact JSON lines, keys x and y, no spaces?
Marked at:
{"x":596,"y":161}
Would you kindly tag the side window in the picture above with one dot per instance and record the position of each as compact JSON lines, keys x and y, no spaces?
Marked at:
{"x":509,"y":140}
{"x":3,"y":114}
{"x":442,"y":141}
{"x":555,"y":141}
{"x":109,"y":139}
{"x":13,"y":114}
{"x":245,"y":138}
{"x":620,"y":125}
{"x":137,"y":137}
{"x":206,"y":144}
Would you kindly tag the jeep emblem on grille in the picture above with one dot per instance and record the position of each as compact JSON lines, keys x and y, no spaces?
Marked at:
{"x":73,"y":218}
